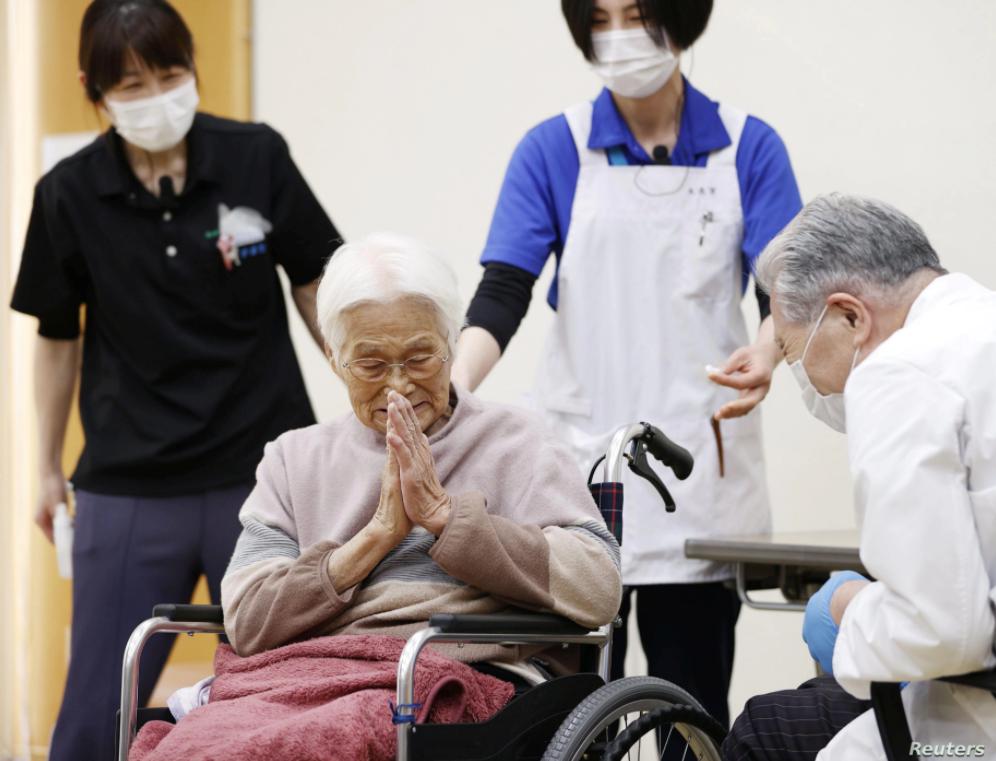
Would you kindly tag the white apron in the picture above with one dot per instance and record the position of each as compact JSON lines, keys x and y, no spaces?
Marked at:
{"x":649,"y":291}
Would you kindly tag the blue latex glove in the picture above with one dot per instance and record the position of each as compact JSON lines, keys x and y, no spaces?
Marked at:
{"x":818,"y":629}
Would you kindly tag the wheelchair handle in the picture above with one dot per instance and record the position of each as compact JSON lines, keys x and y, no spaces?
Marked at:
{"x":660,"y":446}
{"x":668,"y":453}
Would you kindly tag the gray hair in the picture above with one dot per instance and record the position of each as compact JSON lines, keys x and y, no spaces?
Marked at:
{"x":381,"y":268}
{"x":842,"y":243}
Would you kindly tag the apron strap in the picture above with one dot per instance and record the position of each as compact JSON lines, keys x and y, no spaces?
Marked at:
{"x":579,"y":120}
{"x":733,"y":120}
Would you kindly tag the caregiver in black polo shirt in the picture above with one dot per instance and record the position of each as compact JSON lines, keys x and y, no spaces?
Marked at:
{"x":169,"y":228}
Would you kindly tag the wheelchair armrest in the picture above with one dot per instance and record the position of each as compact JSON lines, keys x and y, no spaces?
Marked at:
{"x":890,"y":716}
{"x":509,"y":624}
{"x":207,"y":614}
{"x":985,"y":680}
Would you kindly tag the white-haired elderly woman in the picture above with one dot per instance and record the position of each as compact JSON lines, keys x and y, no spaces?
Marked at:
{"x":424,"y":499}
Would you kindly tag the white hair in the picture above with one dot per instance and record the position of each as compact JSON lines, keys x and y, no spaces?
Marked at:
{"x":843,"y":243}
{"x":381,"y":268}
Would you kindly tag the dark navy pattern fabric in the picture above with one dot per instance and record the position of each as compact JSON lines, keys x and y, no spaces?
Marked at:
{"x":792,"y":725}
{"x":609,"y":498}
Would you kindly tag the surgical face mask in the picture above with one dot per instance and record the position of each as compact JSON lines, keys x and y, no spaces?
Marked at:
{"x":828,"y":408}
{"x":157,"y":123}
{"x":630,"y":63}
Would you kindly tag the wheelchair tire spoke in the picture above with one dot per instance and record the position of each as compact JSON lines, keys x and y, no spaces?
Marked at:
{"x":666,"y":740}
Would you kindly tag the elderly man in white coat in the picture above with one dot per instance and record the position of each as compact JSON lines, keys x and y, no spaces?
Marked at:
{"x":902,"y":355}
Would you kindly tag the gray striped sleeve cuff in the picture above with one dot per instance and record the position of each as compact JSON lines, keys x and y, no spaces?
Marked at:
{"x":261,"y":542}
{"x":602,"y":534}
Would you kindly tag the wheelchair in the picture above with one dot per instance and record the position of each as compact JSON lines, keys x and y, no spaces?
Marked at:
{"x":890,"y":715}
{"x":568,"y":718}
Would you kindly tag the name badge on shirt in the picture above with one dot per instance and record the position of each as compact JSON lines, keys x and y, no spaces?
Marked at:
{"x":241,"y":234}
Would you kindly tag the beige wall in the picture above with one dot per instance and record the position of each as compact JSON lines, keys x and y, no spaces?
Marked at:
{"x":18,"y":123}
{"x":7,"y":697}
{"x":403,"y":116}
{"x":6,"y":569}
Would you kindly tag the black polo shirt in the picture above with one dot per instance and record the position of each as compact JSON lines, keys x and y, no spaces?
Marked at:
{"x":188,"y":368}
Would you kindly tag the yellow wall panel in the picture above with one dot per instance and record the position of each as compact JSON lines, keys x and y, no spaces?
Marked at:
{"x":222,"y":47}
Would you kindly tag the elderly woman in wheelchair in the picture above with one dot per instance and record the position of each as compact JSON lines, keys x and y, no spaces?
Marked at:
{"x":424,"y":501}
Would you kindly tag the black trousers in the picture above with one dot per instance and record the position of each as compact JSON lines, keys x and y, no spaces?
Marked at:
{"x":687,"y":633}
{"x":792,"y":725}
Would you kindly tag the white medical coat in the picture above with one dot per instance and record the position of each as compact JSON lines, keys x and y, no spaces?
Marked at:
{"x":921,"y":423}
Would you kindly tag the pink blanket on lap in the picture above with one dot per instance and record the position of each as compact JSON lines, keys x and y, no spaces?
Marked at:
{"x":326,"y":698}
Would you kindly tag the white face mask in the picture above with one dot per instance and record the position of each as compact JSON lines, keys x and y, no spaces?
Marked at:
{"x":630,"y":63}
{"x":829,"y":408}
{"x":157,"y":123}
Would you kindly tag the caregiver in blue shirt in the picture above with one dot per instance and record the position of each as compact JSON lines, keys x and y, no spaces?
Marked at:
{"x":655,"y":201}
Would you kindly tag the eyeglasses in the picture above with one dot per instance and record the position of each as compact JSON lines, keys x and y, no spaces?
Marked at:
{"x":418,"y":367}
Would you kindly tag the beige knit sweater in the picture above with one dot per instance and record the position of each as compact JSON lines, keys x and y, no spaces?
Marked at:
{"x":523,"y":532}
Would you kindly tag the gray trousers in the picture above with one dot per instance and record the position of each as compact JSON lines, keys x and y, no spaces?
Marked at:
{"x":129,"y":554}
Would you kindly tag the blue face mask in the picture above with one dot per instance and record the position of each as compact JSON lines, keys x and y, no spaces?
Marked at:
{"x":828,"y":408}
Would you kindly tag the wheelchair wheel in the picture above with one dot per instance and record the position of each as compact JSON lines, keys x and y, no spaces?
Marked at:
{"x":637,"y":714}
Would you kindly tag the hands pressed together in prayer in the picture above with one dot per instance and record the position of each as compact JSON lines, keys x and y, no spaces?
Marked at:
{"x":410,"y":490}
{"x":410,"y":495}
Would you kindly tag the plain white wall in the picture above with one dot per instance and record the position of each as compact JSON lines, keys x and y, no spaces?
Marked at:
{"x":402,"y":114}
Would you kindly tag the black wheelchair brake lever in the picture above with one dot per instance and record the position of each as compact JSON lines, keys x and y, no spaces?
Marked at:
{"x":637,"y":461}
{"x":667,"y":452}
